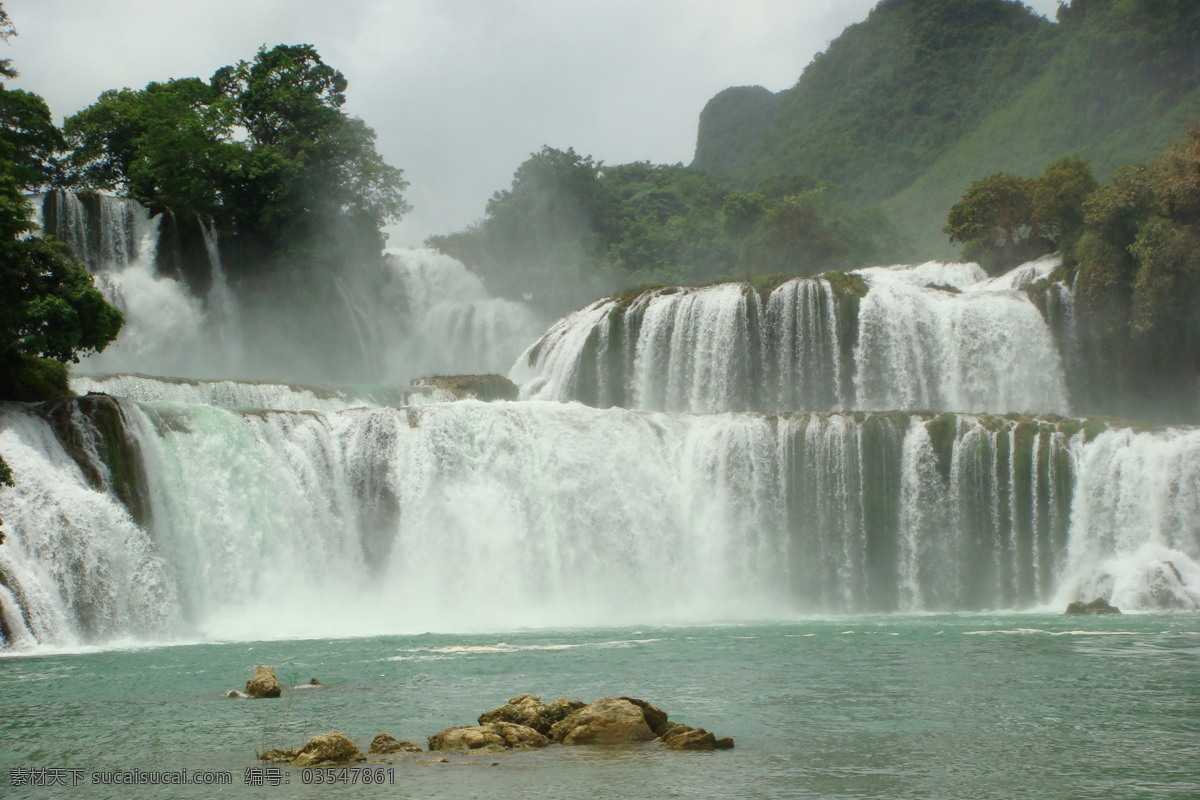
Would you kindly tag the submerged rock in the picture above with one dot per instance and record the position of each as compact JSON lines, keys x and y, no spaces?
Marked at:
{"x":609,"y":720}
{"x":384,"y":743}
{"x":327,"y":750}
{"x":264,"y":683}
{"x":492,"y":737}
{"x":1097,"y":606}
{"x":685,"y":737}
{"x":278,"y":756}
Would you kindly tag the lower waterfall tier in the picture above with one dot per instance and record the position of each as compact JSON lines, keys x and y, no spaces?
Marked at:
{"x":164,"y":521}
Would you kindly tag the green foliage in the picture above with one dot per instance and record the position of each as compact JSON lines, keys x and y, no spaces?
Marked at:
{"x":570,"y":228}
{"x":1004,"y":220}
{"x":50,"y":311}
{"x":1139,"y":281}
{"x":880,"y":104}
{"x":1058,"y":197}
{"x":995,"y":221}
{"x":909,"y":107}
{"x":163,"y":146}
{"x":32,"y":380}
{"x":263,"y":148}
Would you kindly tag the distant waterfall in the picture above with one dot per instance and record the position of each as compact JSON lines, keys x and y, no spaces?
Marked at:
{"x":164,"y":521}
{"x":932,"y":336}
{"x":412,"y":313}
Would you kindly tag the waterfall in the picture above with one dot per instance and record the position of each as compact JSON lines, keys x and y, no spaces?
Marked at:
{"x":881,"y":440}
{"x":930,"y":336}
{"x":174,"y":520}
{"x":104,"y":232}
{"x":413,"y":313}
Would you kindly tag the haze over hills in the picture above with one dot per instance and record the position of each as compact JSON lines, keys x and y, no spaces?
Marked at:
{"x":908,"y":107}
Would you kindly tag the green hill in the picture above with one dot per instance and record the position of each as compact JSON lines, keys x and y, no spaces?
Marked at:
{"x":910,"y":106}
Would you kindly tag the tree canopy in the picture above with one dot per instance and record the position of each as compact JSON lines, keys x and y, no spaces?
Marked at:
{"x":570,"y":227}
{"x":263,"y":148}
{"x":50,"y":310}
{"x":1004,"y":220}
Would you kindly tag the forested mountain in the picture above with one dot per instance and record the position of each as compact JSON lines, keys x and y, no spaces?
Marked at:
{"x":908,"y":107}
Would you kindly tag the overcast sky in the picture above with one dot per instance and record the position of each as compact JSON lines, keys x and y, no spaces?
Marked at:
{"x":460,"y":92}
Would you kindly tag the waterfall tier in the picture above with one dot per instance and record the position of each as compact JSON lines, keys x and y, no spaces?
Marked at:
{"x":932,"y":336}
{"x":410,"y":314}
{"x":162,"y":521}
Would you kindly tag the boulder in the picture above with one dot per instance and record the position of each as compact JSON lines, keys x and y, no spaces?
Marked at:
{"x":609,"y":720}
{"x":685,"y":737}
{"x":656,"y":718}
{"x":279,"y":756}
{"x":383,"y":744}
{"x":492,"y":737}
{"x":1097,"y":606}
{"x":530,"y":711}
{"x":327,"y":750}
{"x":264,"y":683}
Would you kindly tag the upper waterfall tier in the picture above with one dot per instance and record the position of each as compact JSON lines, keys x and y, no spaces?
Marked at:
{"x":409,"y":314}
{"x":931,"y":336}
{"x":168,"y":520}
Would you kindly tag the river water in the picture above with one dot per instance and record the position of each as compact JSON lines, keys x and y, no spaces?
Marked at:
{"x":939,"y":706}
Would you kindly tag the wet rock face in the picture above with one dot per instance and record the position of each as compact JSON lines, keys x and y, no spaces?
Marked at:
{"x":1097,"y":606}
{"x":530,"y":711}
{"x":328,"y":749}
{"x":264,"y":683}
{"x":685,"y":737}
{"x":385,"y":744}
{"x":609,"y":720}
{"x":490,"y":738}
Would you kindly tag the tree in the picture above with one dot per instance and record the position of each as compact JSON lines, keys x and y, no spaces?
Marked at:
{"x":1139,"y":282}
{"x":50,"y":310}
{"x":995,"y":221}
{"x":1058,"y":197}
{"x":263,"y":148}
{"x":165,"y":146}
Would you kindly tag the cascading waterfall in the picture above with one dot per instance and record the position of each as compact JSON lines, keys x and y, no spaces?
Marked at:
{"x":238,"y":394}
{"x":174,"y":520}
{"x":875,"y":472}
{"x":932,"y":336}
{"x":415,"y":313}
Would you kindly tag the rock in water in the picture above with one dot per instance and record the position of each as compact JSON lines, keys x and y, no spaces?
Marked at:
{"x":656,"y":718}
{"x":327,"y":750}
{"x":685,"y":737}
{"x":609,"y":720}
{"x":383,"y":744}
{"x":446,"y":388}
{"x":490,"y":738}
{"x":264,"y":683}
{"x":530,"y":711}
{"x":1097,"y":606}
